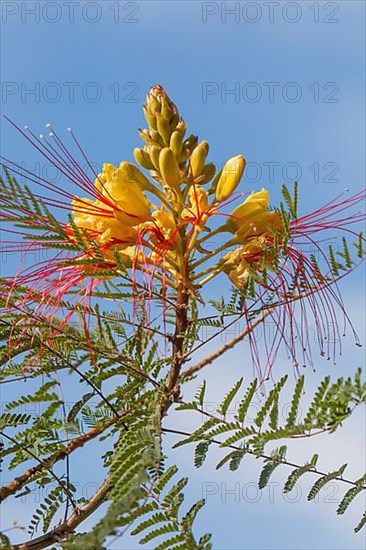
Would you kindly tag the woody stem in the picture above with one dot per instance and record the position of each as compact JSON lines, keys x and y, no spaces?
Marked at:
{"x":181,"y":324}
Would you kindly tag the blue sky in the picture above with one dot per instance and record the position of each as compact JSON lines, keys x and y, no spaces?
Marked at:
{"x":285,"y":88}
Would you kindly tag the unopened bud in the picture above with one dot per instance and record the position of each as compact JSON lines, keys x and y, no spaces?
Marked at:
{"x":230,"y":178}
{"x":144,"y":134}
{"x":181,"y":127}
{"x":166,"y":110}
{"x":155,"y":136}
{"x":208,"y":172}
{"x":130,"y":173}
{"x":150,"y":118}
{"x":176,"y":141}
{"x":198,"y":158}
{"x":143,"y":158}
{"x":154,"y":156}
{"x":174,"y":121}
{"x":163,"y":128}
{"x":158,"y":104}
{"x":169,"y":168}
{"x":190,"y":143}
{"x":153,"y":98}
{"x":153,"y":104}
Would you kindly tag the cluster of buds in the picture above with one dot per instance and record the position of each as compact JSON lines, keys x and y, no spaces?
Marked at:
{"x":125,"y":217}
{"x":172,"y":158}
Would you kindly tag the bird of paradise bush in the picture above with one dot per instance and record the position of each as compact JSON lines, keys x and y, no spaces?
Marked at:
{"x":158,"y":235}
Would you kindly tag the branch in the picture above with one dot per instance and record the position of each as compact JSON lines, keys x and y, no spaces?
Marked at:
{"x":181,"y":323}
{"x":76,"y":443}
{"x":49,"y":469}
{"x":229,"y":345}
{"x":67,"y":527}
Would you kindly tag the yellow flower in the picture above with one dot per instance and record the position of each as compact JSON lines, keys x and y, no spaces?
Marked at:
{"x":122,"y":187}
{"x":102,"y":228}
{"x":256,"y":203}
{"x":252,"y":217}
{"x":165,"y":221}
{"x":261,"y":223}
{"x":164,"y":230}
{"x":88,"y":214}
{"x":242,"y":262}
{"x":128,"y":171}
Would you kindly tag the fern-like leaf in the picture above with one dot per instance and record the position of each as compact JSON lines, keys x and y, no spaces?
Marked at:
{"x":322,"y":481}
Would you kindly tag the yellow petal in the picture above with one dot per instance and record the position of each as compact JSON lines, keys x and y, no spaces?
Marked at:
{"x":112,"y":230}
{"x":256,"y":203}
{"x":82,"y":208}
{"x":132,"y":207}
{"x":261,"y":198}
{"x":259,"y":223}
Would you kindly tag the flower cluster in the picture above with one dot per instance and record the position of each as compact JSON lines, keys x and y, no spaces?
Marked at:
{"x":157,"y":224}
{"x":158,"y":221}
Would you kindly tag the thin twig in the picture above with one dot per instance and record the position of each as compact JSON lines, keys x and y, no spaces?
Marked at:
{"x":91,"y":348}
{"x":76,"y":443}
{"x":229,"y":345}
{"x":265,"y":457}
{"x":48,"y":468}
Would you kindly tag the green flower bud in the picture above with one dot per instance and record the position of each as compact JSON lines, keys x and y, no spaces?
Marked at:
{"x":150,"y":118}
{"x":159,"y":103}
{"x":153,"y":104}
{"x":173,"y":124}
{"x":144,"y":134}
{"x":181,"y":127}
{"x":166,"y":110}
{"x":189,"y":144}
{"x":156,"y":137}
